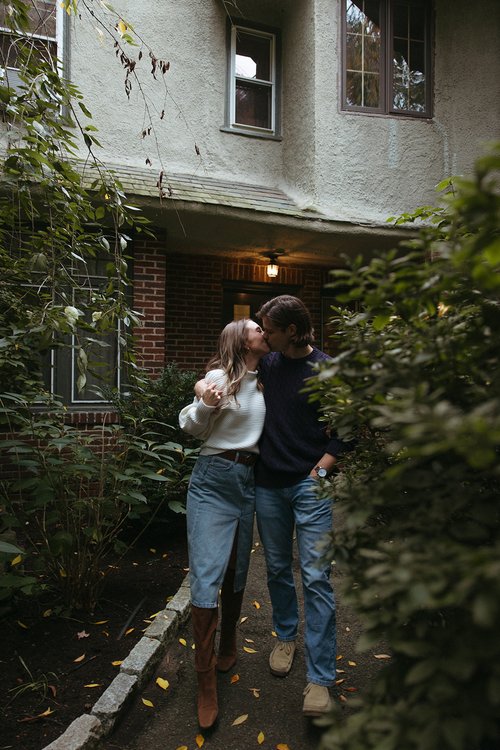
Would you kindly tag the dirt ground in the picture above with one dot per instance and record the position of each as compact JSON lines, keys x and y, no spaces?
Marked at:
{"x":55,"y":668}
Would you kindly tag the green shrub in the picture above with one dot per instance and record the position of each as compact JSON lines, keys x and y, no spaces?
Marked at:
{"x":417,"y":382}
{"x":155,"y":404}
{"x":74,"y":491}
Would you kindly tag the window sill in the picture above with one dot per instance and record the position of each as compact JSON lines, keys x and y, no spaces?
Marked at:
{"x":251,"y":133}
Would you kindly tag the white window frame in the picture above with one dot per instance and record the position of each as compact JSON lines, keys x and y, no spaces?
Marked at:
{"x":59,"y":39}
{"x":272,"y":83}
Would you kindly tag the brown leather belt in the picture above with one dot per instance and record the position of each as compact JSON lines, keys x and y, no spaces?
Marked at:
{"x":239,"y":457}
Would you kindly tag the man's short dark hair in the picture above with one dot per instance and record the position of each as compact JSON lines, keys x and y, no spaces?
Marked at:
{"x":286,"y":310}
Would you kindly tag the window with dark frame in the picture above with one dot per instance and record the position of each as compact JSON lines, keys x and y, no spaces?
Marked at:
{"x":387,"y":57}
{"x":61,"y":368}
{"x":253,"y":80}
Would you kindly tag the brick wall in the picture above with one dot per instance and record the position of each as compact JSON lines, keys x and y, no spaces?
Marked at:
{"x":194,"y":294}
{"x":149,"y":300}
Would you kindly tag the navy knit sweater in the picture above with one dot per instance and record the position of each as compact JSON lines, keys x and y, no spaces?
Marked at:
{"x":294,"y":439}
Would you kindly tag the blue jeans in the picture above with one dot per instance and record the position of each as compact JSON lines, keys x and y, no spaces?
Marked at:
{"x":278,"y":512}
{"x":220,"y":501}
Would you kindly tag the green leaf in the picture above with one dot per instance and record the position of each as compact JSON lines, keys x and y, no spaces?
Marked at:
{"x":85,"y":110}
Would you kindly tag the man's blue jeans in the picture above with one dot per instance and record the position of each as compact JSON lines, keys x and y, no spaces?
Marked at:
{"x":278,"y":512}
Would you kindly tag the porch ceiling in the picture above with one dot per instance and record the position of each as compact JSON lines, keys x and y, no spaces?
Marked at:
{"x":211,"y":216}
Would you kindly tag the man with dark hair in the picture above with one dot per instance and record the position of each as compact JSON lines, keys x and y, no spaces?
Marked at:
{"x":296,"y":450}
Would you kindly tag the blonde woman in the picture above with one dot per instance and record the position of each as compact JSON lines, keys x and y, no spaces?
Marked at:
{"x":229,"y":417}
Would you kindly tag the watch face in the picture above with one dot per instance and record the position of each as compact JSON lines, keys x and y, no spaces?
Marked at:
{"x":321,"y":472}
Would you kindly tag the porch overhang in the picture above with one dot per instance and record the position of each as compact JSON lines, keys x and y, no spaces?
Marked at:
{"x":211,"y":216}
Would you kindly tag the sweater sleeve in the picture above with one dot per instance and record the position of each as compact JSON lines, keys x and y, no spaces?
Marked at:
{"x":197,"y":419}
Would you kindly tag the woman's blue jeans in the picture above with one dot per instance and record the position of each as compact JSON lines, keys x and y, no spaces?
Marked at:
{"x":220,"y":501}
{"x":279,"y":511}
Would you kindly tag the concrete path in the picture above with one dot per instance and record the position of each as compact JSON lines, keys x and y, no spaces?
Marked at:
{"x":255,"y":708}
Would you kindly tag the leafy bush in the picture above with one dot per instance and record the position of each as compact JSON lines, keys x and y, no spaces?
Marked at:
{"x":74,"y":491}
{"x":155,"y":404}
{"x":417,"y":382}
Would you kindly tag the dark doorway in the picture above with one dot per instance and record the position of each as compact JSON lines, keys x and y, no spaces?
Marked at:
{"x":242,"y":300}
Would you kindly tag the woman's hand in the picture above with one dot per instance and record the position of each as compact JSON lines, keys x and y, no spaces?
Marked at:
{"x":211,"y":395}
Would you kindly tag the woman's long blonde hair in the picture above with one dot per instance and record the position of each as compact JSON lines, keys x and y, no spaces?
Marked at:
{"x":230,"y":356}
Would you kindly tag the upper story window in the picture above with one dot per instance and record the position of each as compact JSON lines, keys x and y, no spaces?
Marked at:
{"x":253,"y":81}
{"x":43,"y":39}
{"x":387,"y":57}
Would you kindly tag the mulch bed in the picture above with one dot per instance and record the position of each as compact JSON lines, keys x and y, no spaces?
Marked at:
{"x":61,"y":685}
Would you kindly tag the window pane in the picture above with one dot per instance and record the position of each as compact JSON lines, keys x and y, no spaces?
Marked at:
{"x":354,"y":52}
{"x":409,"y":79}
{"x":401,"y":20}
{"x":417,"y":23}
{"x":371,"y":94}
{"x":417,"y":77}
{"x":363,"y":53}
{"x":372,"y":54}
{"x":253,"y":104}
{"x":354,"y":89}
{"x":253,"y":56}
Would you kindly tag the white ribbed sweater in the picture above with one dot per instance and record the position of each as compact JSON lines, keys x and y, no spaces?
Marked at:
{"x":236,"y":425}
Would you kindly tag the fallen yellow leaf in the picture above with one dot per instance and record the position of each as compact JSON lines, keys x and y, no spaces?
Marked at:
{"x":243,"y":620}
{"x":62,"y":573}
{"x":282,"y":746}
{"x":239,"y":720}
{"x":260,"y":738}
{"x":342,"y":699}
{"x":274,"y":634}
{"x":22,"y":625}
{"x":249,"y":650}
{"x":256,"y":605}
{"x":352,"y":663}
{"x":382,"y":656}
{"x":164,"y":684}
{"x":122,"y":27}
{"x":148,"y":703}
{"x":339,"y":657}
{"x":130,"y":630}
{"x":151,"y":617}
{"x":47,"y":613}
{"x":200,"y":740}
{"x":182,"y":747}
{"x":152,"y":549}
{"x":249,"y":640}
{"x":93,"y":685}
{"x":47,"y":712}
{"x":79,"y":658}
{"x":339,"y":682}
{"x":235,"y":678}
{"x":116,"y":663}
{"x":182,"y":641}
{"x":16,"y":560}
{"x":340,"y":671}
{"x":255,"y":692}
{"x":100,"y":622}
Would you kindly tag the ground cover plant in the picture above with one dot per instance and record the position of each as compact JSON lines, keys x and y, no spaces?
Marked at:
{"x":417,"y":383}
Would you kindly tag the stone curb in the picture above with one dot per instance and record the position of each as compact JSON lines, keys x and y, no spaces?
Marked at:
{"x":85,"y":732}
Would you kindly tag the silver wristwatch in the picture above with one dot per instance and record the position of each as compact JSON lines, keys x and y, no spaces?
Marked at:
{"x":321,"y":471}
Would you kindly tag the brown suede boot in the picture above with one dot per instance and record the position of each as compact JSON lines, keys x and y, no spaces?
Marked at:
{"x":204,"y":623}
{"x":231,"y":609}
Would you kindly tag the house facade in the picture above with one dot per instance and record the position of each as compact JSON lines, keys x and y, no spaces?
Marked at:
{"x":280,"y":134}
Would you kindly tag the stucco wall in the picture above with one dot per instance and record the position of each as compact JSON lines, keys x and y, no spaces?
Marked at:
{"x":351,"y":166}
